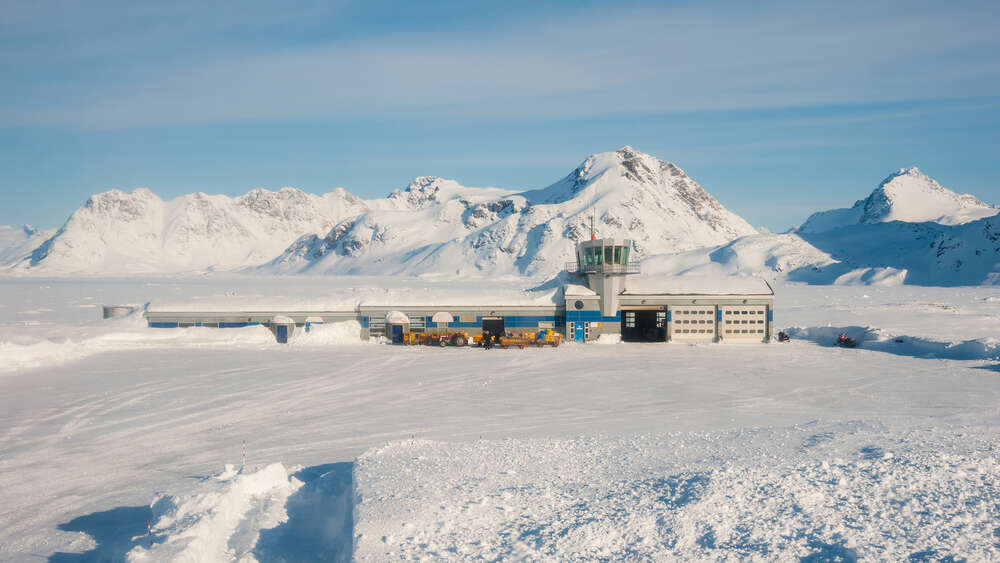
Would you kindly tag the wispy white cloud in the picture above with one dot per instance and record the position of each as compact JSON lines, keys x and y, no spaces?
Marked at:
{"x":639,"y":59}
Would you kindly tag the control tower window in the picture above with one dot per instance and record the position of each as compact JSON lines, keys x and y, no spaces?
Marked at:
{"x":624,"y":255}
{"x":608,"y":258}
{"x":618,"y":255}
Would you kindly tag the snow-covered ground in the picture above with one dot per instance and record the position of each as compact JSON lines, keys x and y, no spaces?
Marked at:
{"x":623,"y":451}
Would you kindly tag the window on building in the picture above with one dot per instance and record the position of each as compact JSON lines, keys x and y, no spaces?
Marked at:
{"x":609,"y":255}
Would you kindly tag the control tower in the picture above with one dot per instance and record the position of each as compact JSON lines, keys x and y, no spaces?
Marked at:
{"x":605,"y":262}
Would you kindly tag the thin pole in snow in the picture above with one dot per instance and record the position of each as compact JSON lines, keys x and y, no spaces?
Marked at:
{"x":244,"y":454}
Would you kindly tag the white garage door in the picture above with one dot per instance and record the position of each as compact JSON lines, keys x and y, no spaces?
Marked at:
{"x":743,"y":322}
{"x":692,"y":322}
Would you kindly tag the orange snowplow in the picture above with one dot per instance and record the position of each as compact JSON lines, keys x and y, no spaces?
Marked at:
{"x":526,"y":338}
{"x":437,"y":339}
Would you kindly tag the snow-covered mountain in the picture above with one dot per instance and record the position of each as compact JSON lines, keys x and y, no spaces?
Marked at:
{"x":907,"y":195}
{"x":437,"y":226}
{"x":117,"y":232}
{"x":16,"y":243}
{"x":909,"y":230}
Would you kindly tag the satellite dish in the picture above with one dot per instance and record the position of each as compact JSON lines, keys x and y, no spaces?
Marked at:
{"x":442,"y":317}
{"x":396,"y":318}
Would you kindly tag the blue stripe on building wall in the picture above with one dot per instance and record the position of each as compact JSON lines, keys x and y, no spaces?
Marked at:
{"x":590,"y":317}
{"x":162,"y":325}
{"x":770,"y":315}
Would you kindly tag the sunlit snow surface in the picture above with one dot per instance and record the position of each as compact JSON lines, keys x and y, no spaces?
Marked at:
{"x":776,"y":451}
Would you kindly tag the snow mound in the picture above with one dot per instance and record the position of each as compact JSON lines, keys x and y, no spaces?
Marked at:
{"x":222,"y":523}
{"x":842,"y":491}
{"x":347,"y":332}
{"x":871,"y":338}
{"x":32,"y":352}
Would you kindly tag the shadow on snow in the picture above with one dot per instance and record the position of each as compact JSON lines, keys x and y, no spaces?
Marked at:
{"x":320,"y":524}
{"x":112,"y":530}
{"x":869,"y":339}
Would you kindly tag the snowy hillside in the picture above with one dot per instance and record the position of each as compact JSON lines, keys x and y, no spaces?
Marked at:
{"x":907,"y":195}
{"x":118,"y":232}
{"x":16,"y":243}
{"x":435,"y":226}
{"x":909,"y":230}
{"x":880,"y":254}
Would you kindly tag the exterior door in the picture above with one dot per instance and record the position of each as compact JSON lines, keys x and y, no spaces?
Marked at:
{"x":282,"y":334}
{"x":578,"y":333}
{"x":692,"y":323}
{"x":397,"y":334}
{"x":744,"y":323}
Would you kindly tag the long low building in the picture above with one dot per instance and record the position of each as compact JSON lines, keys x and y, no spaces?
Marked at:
{"x":607,"y":295}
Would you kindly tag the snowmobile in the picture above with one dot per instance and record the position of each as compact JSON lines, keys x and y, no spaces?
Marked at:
{"x":845,"y":342}
{"x":783,"y":337}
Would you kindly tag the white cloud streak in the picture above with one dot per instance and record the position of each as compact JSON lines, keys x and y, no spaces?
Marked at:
{"x":641,"y":59}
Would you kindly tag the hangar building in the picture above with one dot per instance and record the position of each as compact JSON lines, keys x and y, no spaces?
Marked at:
{"x":606,"y":294}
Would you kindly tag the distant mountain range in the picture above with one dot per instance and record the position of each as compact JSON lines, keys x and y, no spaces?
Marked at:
{"x":909,"y":230}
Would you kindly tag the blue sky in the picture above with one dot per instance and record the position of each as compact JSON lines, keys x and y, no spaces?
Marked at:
{"x":777,"y":108}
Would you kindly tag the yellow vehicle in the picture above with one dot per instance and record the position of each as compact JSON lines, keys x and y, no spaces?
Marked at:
{"x":526,"y":338}
{"x":437,"y":339}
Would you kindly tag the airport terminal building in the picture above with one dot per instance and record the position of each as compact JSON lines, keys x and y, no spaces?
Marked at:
{"x":605,"y":294}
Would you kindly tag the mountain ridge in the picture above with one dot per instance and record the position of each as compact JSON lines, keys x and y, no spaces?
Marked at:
{"x":906,"y":195}
{"x":909,"y":229}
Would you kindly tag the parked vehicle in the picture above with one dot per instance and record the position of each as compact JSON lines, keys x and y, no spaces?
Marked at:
{"x":846,"y":342}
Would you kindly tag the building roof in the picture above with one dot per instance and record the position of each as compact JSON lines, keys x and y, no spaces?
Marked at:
{"x":696,"y":285}
{"x":574,"y":290}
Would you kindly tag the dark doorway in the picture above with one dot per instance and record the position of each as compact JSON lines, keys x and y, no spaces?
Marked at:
{"x":493,"y":326}
{"x":644,"y":326}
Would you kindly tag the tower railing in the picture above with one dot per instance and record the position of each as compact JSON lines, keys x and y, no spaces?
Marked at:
{"x":629,"y":268}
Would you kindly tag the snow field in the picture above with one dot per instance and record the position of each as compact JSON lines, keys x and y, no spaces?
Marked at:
{"x":34,"y":353}
{"x":849,"y":490}
{"x":85,"y":445}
